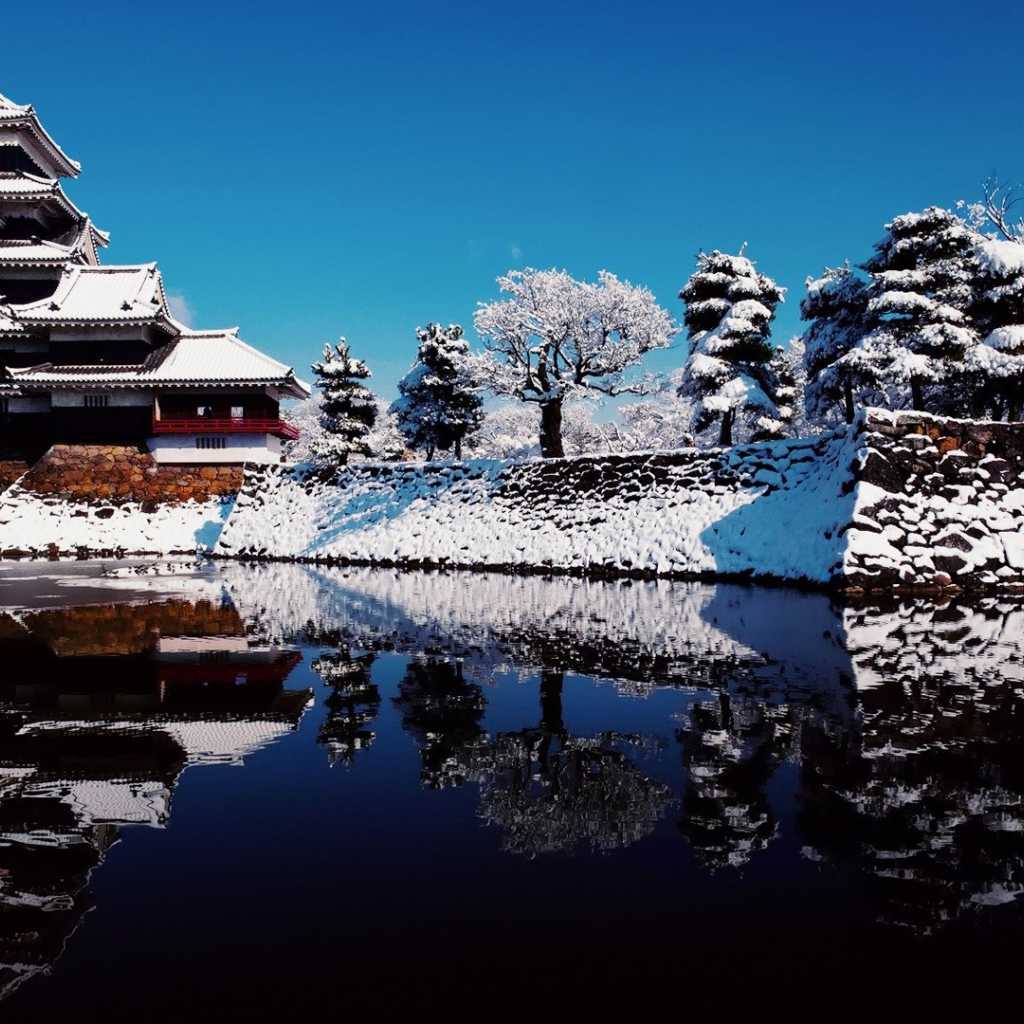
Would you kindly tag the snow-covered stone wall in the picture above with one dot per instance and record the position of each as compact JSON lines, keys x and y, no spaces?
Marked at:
{"x":939,"y":501}
{"x":113,"y":499}
{"x":775,"y":510}
{"x":895,"y":500}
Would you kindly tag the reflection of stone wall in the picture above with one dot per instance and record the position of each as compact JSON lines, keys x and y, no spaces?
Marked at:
{"x":128,"y":628}
{"x":118,"y":473}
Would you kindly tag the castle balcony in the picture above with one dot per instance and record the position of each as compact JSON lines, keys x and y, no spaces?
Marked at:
{"x":230,"y":425}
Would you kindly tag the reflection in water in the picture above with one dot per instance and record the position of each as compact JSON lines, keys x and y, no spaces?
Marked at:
{"x":442,"y":711}
{"x":101,"y":708}
{"x":751,"y":734}
{"x":904,"y":721}
{"x":352,"y":705}
{"x":731,"y":748}
{"x":925,"y":795}
{"x":549,"y":790}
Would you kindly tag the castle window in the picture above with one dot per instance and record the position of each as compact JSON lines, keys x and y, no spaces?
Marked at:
{"x":97,"y":401}
{"x":211,"y":442}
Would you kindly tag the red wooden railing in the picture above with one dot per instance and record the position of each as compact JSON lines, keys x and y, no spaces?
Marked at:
{"x":208,"y":425}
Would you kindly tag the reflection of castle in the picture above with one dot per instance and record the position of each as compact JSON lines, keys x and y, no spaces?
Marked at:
{"x":100,"y":710}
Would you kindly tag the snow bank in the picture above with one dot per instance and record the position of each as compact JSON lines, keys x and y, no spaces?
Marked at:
{"x":33,"y":523}
{"x":757,"y":510}
{"x":894,"y":500}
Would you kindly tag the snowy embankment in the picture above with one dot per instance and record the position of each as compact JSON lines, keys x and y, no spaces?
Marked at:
{"x":770,"y":510}
{"x":35,"y":524}
{"x":894,"y":500}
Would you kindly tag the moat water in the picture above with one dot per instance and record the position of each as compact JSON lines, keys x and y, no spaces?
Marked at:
{"x":247,"y":789}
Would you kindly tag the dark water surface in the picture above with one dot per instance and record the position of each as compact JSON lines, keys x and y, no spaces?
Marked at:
{"x":251,"y":790}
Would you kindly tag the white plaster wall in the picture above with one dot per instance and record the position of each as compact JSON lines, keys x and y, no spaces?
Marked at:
{"x":118,"y":398}
{"x":28,"y":403}
{"x":181,"y":449}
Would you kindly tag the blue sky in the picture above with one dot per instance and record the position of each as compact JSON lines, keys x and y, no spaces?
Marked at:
{"x":311,"y":170}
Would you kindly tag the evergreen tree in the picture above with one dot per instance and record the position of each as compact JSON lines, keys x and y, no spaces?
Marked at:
{"x":922,"y":283}
{"x":839,"y":377}
{"x":348,"y":410}
{"x":729,"y":373}
{"x":438,"y":406}
{"x":997,"y":363}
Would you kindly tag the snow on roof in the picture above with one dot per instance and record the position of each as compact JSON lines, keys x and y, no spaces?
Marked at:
{"x":101,"y":295}
{"x":221,"y":355}
{"x":82,"y":243}
{"x":8,"y":325}
{"x":22,"y":187}
{"x":195,"y":358}
{"x":15,"y":115}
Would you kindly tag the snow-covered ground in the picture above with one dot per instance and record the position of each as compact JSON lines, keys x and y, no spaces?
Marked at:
{"x":895,"y":499}
{"x":34,"y":523}
{"x":768,"y":510}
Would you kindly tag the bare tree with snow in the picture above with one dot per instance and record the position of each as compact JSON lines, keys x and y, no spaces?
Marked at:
{"x":555,"y":337}
{"x":438,"y":404}
{"x":663,"y":419}
{"x":508,"y":431}
{"x":729,"y":373}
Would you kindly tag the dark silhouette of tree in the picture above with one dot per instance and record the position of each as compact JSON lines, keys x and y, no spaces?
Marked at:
{"x":550,"y":791}
{"x":352,"y":704}
{"x":442,"y":711}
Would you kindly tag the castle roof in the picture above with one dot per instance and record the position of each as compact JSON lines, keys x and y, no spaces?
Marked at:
{"x":193,"y":359}
{"x":24,"y":187}
{"x":100,"y":295}
{"x":78,"y":244}
{"x":14,"y":115}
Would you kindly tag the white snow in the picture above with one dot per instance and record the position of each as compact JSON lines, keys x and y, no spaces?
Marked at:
{"x":30,"y":522}
{"x":779,"y":515}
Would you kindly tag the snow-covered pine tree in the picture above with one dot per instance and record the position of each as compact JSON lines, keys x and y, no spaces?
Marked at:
{"x":922,"y":283}
{"x":997,"y":363}
{"x":839,"y":375}
{"x":348,"y":409}
{"x":438,"y":406}
{"x":729,"y":374}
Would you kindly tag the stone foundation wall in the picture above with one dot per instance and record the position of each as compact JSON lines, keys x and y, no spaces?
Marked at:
{"x":10,"y":470}
{"x":116,"y":474}
{"x":894,"y":501}
{"x":940,"y":503}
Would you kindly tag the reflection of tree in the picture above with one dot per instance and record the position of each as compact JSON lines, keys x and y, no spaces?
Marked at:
{"x":731,"y":747}
{"x":933,"y":817}
{"x":442,"y":711}
{"x":550,"y":791}
{"x":351,"y":706}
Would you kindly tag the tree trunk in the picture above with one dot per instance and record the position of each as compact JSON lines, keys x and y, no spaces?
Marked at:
{"x":725,"y":436}
{"x":848,"y":395}
{"x":916,"y":394}
{"x":458,"y":449}
{"x":551,"y":429}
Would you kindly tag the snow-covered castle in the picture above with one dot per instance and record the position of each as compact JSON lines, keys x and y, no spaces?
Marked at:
{"x":91,"y":354}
